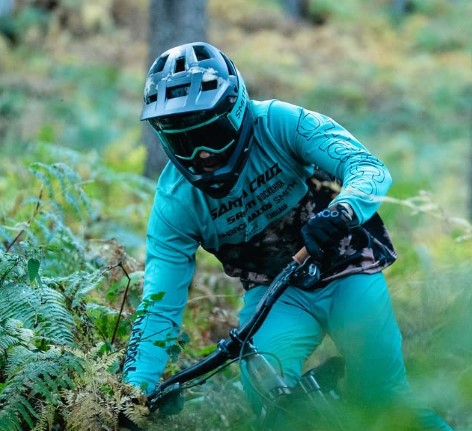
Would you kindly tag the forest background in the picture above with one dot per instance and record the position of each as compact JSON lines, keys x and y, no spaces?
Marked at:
{"x":74,"y":201}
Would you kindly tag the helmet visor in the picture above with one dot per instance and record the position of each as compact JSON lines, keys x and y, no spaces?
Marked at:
{"x":215,"y":136}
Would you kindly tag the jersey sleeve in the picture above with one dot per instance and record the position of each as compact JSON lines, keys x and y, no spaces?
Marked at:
{"x":318,"y":140}
{"x":170,"y":266}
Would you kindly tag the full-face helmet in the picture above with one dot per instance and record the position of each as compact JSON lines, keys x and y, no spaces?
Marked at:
{"x":196,"y":101}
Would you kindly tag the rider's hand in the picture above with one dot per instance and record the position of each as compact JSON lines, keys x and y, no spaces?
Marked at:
{"x":325,"y":229}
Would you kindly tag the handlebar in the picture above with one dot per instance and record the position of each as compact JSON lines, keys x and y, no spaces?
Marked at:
{"x":167,"y":392}
{"x":230,"y":347}
{"x":205,"y":365}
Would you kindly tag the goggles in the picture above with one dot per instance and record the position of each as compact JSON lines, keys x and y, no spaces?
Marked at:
{"x":215,"y":135}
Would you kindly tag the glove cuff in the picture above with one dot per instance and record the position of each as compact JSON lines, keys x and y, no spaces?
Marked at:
{"x":346,"y":212}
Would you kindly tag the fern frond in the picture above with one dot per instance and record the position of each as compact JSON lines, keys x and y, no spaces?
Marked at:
{"x":46,"y":417}
{"x":5,"y":237}
{"x":13,"y":333}
{"x":143,"y":188}
{"x":97,"y":401}
{"x":60,"y":179}
{"x":77,"y":285}
{"x":54,"y":230}
{"x":35,"y":376}
{"x":40,"y":308}
{"x":26,"y":365}
{"x":9,"y":419}
{"x":104,"y":318}
{"x":8,"y":266}
{"x":71,"y":186}
{"x":26,"y":411}
{"x":137,"y":413}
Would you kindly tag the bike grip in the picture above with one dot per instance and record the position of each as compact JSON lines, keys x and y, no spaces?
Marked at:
{"x":301,"y":255}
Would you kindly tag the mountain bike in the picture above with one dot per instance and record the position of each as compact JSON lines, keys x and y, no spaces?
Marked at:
{"x":314,"y":399}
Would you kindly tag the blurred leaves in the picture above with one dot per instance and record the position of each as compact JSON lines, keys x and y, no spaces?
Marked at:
{"x":71,"y":83}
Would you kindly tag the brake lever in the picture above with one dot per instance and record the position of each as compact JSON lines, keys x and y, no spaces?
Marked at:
{"x":307,"y":273}
{"x":169,"y":401}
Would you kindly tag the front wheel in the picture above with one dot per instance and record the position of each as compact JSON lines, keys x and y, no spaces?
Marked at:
{"x":304,"y":413}
{"x":313,"y":405}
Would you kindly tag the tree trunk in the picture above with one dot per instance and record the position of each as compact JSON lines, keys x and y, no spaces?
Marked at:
{"x":6,"y":7}
{"x":469,"y":186}
{"x":295,"y":8}
{"x":399,"y":7}
{"x":171,"y":23}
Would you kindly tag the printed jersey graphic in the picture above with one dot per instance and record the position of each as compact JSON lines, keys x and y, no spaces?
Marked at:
{"x":264,"y":197}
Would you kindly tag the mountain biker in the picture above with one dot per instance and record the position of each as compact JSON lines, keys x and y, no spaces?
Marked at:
{"x":252,"y":182}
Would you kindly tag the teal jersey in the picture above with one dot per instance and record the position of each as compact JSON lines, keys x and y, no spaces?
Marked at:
{"x":300,"y":162}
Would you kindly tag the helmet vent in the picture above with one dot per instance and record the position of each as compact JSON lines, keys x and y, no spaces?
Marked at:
{"x":209,"y":85}
{"x":201,"y":52}
{"x":229,"y":65}
{"x":177,"y":91}
{"x":179,"y":65}
{"x":159,"y":65}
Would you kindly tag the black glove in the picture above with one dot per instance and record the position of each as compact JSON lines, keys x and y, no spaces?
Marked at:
{"x":324,"y":230}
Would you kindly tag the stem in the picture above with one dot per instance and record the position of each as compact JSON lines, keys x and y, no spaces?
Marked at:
{"x":28,"y":223}
{"x":122,"y":303}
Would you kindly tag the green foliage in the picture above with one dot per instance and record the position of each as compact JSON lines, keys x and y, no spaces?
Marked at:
{"x":433,"y":312}
{"x":13,"y":333}
{"x":46,"y":230}
{"x":70,"y":97}
{"x":98,"y":397}
{"x":34,"y":380}
{"x":41,"y":308}
{"x":31,"y":18}
{"x":322,"y":11}
{"x":98,"y":201}
{"x":53,"y":313}
{"x":11,"y":101}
